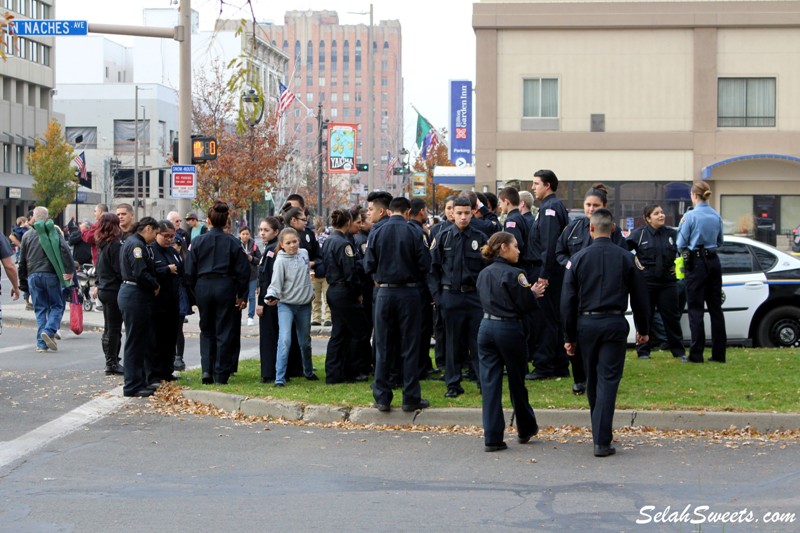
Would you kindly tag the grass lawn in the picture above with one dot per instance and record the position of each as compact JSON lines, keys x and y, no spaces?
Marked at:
{"x":753,"y":379}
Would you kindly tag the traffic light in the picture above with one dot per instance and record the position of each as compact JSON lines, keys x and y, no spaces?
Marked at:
{"x":362,"y":167}
{"x":204,"y":148}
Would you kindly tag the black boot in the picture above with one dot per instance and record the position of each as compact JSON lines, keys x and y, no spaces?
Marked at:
{"x":179,"y":364}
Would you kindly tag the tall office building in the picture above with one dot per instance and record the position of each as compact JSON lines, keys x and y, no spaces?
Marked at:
{"x":27,"y":78}
{"x":329,"y":65}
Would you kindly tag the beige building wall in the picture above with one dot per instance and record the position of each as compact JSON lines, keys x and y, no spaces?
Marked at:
{"x":641,"y":80}
{"x":652,"y":69}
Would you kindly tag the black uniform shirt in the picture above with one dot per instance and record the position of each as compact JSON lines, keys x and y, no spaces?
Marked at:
{"x":488,"y":224}
{"x":265,"y":266}
{"x":576,"y":236}
{"x":505,"y":291}
{"x":656,"y":250}
{"x":169,"y":282}
{"x":136,"y":263}
{"x":395,"y":253}
{"x":518,"y":227}
{"x":218,"y":253}
{"x":456,"y":259}
{"x":598,"y":279}
{"x":341,"y":260}
{"x":360,"y":240}
{"x":549,"y":223}
{"x":310,"y":244}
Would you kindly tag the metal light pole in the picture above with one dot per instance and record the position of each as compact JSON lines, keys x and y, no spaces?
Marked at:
{"x":371,"y":97}
{"x":136,"y":155}
{"x":320,"y":125}
{"x":253,"y":109}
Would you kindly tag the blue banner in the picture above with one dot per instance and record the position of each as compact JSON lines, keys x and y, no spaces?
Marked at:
{"x":461,"y":122}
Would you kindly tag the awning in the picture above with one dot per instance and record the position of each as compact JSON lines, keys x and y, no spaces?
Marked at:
{"x":706,"y":172}
{"x":454,"y":175}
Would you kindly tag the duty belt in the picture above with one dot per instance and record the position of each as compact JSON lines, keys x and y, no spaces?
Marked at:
{"x":126,"y":282}
{"x":212,"y":275}
{"x":463,"y":288}
{"x":398,"y":285}
{"x":703,"y":252}
{"x":598,"y":313}
{"x":488,"y":316}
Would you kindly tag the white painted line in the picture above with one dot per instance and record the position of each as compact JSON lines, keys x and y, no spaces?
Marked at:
{"x":8,"y":349}
{"x":79,"y":417}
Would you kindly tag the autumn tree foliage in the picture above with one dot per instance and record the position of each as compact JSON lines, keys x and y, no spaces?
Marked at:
{"x":438,"y":157}
{"x":248,"y":157}
{"x":54,"y":181}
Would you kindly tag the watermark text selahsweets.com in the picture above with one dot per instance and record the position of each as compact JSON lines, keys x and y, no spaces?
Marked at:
{"x":703,"y":514}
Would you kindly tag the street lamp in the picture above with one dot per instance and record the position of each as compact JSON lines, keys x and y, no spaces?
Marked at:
{"x":252,"y":108}
{"x":371,"y":101}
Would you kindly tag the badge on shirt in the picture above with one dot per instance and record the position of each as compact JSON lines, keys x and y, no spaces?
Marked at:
{"x":308,"y":238}
{"x":523,"y":280}
{"x":549,"y":213}
{"x":670,"y":241}
{"x":348,"y":251}
{"x":474,"y":245}
{"x":511,"y":224}
{"x":137,"y":252}
{"x":433,"y":244}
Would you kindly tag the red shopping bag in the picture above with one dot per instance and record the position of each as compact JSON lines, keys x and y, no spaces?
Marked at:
{"x":75,"y":312}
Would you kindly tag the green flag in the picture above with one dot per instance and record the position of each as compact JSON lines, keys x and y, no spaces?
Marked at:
{"x":423,"y":127}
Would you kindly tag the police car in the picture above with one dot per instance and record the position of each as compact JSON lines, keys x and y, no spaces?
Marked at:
{"x":760,"y":295}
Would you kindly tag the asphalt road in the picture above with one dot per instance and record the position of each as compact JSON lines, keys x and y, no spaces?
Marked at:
{"x":132,"y":468}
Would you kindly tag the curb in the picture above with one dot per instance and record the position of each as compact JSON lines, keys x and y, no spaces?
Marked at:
{"x":455,"y":416}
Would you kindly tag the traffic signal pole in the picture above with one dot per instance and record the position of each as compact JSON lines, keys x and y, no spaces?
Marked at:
{"x":183,"y":34}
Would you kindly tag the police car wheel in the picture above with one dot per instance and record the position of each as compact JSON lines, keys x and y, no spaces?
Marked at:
{"x":780,"y":328}
{"x":87,"y":305}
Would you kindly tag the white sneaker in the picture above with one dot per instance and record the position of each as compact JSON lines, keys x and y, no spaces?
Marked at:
{"x":250,"y":322}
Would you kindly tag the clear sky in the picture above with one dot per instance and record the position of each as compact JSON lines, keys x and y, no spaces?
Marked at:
{"x":438,"y":41}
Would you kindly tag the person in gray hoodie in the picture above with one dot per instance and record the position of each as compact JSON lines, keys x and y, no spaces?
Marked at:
{"x":292,"y":290}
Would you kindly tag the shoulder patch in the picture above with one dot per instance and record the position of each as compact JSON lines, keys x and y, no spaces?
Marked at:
{"x":348,"y":251}
{"x":137,"y":252}
{"x":549,"y":212}
{"x":569,"y":265}
{"x":308,"y":238}
{"x":511,"y":224}
{"x":271,"y":253}
{"x":522,"y":280}
{"x":364,"y":248}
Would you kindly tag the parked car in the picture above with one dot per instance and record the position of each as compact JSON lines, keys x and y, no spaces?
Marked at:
{"x":796,"y":239}
{"x":760,"y":295}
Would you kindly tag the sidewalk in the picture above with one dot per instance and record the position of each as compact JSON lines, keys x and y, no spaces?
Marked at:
{"x":15,"y":315}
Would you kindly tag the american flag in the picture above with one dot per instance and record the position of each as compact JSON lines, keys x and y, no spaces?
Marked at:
{"x":285,"y":99}
{"x":80,"y":162}
{"x":390,"y":167}
{"x":429,"y":144}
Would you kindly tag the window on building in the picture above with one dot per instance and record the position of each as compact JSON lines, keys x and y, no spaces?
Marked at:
{"x":322,"y":56}
{"x":384,"y":81}
{"x":540,"y":98}
{"x":334,"y":83}
{"x":125,"y":136}
{"x":334,"y":112}
{"x":385,"y":45}
{"x":346,"y":97}
{"x":88,"y":134}
{"x":297,"y":113}
{"x":384,"y":64}
{"x":358,"y":97}
{"x":346,"y":81}
{"x":321,"y":82}
{"x":358,"y":111}
{"x":321,"y":97}
{"x":334,"y":57}
{"x":45,"y":60}
{"x":309,"y":55}
{"x":334,"y":97}
{"x":358,"y":56}
{"x":309,"y":79}
{"x":358,"y":81}
{"x":346,"y":112}
{"x":20,"y":159}
{"x":285,"y":45}
{"x":746,"y":102}
{"x":6,"y":158}
{"x":309,"y":97}
{"x":297,"y":54}
{"x":309,"y":128}
{"x":346,"y":57}
{"x":384,"y":97}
